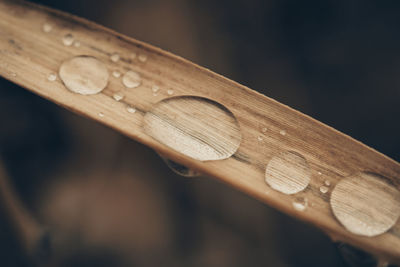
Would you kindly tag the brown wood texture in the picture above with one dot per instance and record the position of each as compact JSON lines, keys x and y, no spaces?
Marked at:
{"x":28,"y":55}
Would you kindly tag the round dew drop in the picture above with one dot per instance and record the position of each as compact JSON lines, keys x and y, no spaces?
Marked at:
{"x":366,"y":204}
{"x":323,"y":189}
{"x":155,"y":88}
{"x":288,"y":173}
{"x":84,"y":75}
{"x":197,"y":127}
{"x":131,"y":79}
{"x":115,"y":57}
{"x":142,"y":58}
{"x":131,"y":109}
{"x":118,"y":96}
{"x":68,"y":39}
{"x":52,"y":77}
{"x":47,"y":28}
{"x":116,"y":74}
{"x":300,"y":204}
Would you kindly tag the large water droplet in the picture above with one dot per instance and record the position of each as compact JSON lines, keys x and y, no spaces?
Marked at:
{"x":131,"y":79}
{"x":68,"y":39}
{"x":288,"y":173}
{"x":180,"y":169}
{"x":197,"y":127}
{"x":366,"y":204}
{"x":84,"y":75}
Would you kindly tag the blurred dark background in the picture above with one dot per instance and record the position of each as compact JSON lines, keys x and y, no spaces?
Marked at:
{"x":115,"y":203}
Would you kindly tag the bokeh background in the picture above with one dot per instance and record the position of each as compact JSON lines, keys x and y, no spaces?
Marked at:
{"x":109,"y":201}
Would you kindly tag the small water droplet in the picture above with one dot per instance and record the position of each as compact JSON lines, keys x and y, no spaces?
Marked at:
{"x":77,"y":44}
{"x":115,"y":57}
{"x":52,"y":77}
{"x":170,"y":92}
{"x":155,"y":88}
{"x":179,"y":168}
{"x":142,"y":58}
{"x":319,"y":173}
{"x":327,"y":182}
{"x":131,"y":79}
{"x":197,"y":127}
{"x":283,"y":132}
{"x":84,"y":75}
{"x":264,"y":129}
{"x":47,"y":27}
{"x":366,"y":204}
{"x":68,"y":39}
{"x":116,"y":74}
{"x":323,"y":189}
{"x":118,"y":96}
{"x":300,"y":204}
{"x":131,"y":109}
{"x":259,"y":138}
{"x":101,"y":114}
{"x":288,"y":173}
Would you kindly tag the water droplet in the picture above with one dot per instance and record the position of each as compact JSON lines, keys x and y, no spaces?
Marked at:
{"x":323,"y":189}
{"x":84,"y":75}
{"x":300,"y":204}
{"x":259,"y":138}
{"x":101,"y":114}
{"x":116,"y":74}
{"x":283,"y":132}
{"x":52,"y":77}
{"x":319,"y":173}
{"x":142,"y":58}
{"x":288,"y":173}
{"x":118,"y":96}
{"x":327,"y":182}
{"x":131,"y":79}
{"x":77,"y":44}
{"x":68,"y":39}
{"x":131,"y":109}
{"x":155,"y":88}
{"x":114,"y":57}
{"x":170,"y":92}
{"x":180,"y":169}
{"x":47,"y":27}
{"x":366,"y":204}
{"x":197,"y":127}
{"x":264,"y":129}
